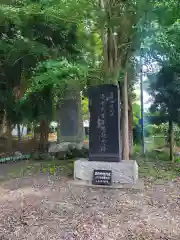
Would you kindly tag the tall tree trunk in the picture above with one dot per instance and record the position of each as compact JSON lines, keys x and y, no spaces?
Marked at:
{"x":130,"y":119}
{"x":35,"y":132}
{"x":171,"y":141}
{"x":121,"y":118}
{"x":29,"y":128}
{"x":3,"y":126}
{"x":19,"y":132}
{"x":19,"y":135}
{"x":9,"y":136}
{"x":58,"y":133}
{"x":125,"y":120}
{"x":44,"y":131}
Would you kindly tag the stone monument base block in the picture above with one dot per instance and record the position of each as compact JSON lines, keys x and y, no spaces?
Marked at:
{"x":124,"y":173}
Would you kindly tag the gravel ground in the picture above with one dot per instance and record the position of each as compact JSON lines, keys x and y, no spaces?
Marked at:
{"x":44,"y":207}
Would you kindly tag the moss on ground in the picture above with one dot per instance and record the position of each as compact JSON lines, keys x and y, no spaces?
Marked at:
{"x":29,"y":168}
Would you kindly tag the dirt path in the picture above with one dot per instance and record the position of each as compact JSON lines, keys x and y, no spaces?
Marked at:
{"x":49,"y":208}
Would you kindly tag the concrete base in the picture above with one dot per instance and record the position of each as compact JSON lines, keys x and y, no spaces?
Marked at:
{"x":124,"y":172}
{"x":139,"y":185}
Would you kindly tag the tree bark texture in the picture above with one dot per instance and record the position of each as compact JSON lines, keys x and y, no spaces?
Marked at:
{"x":171,"y":141}
{"x":19,"y":136}
{"x":130,"y":120}
{"x":9,"y":136}
{"x":3,"y":126}
{"x":44,"y":132}
{"x":125,"y":120}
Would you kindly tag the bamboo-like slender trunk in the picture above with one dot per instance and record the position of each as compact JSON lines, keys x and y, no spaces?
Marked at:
{"x":125,"y":120}
{"x":171,"y":141}
{"x":130,"y":120}
{"x":58,"y":132}
{"x":121,"y":118}
{"x":19,"y":132}
{"x":19,"y":135}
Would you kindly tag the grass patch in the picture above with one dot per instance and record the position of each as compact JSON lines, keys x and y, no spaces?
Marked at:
{"x":158,"y":169}
{"x":157,"y":156}
{"x":156,"y":164}
{"x":30,"y":168}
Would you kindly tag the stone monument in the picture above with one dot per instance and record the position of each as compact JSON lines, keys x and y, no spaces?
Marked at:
{"x":104,"y":139}
{"x":70,"y":118}
{"x":70,"y":131}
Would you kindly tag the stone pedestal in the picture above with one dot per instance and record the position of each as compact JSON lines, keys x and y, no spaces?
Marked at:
{"x":124,"y":172}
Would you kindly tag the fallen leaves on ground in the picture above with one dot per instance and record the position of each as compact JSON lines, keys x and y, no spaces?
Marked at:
{"x":44,"y":207}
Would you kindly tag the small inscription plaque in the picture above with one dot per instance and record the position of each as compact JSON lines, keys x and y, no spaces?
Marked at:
{"x":102,"y":177}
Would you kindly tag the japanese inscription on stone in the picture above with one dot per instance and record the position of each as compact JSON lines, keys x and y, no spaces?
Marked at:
{"x":104,"y":123}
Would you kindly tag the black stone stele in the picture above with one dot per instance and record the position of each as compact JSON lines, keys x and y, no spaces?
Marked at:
{"x":104,"y":129}
{"x":102,"y":177}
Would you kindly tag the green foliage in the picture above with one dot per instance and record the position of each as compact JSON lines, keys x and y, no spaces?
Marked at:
{"x":165,"y":90}
{"x":177,"y":159}
{"x":136,"y":126}
{"x":85,"y":108}
{"x":148,"y":130}
{"x":44,"y":36}
{"x":136,"y":113}
{"x":61,"y":74}
{"x":32,"y":32}
{"x":38,"y":105}
{"x":161,"y":36}
{"x":164,"y":128}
